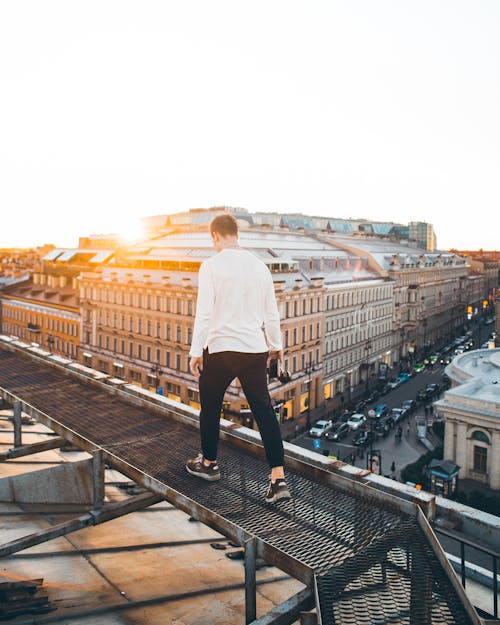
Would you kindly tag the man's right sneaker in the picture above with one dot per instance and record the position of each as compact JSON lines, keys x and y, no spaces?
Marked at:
{"x":196,"y":467}
{"x":277,"y":490}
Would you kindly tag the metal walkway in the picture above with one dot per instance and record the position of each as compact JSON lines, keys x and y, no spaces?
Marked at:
{"x":367,"y":556}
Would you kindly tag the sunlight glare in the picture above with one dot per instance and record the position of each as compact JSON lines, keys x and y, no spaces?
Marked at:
{"x":130,"y":230}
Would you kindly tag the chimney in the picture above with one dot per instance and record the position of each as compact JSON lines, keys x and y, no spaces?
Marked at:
{"x":317,"y":281}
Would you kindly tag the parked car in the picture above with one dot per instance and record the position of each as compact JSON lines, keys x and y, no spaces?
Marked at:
{"x":373,"y":396}
{"x":362,"y":438}
{"x":320,"y":428}
{"x":356,"y":421}
{"x":394,"y":383}
{"x":338,"y":431}
{"x":410,"y":405}
{"x":384,"y":389}
{"x":381,"y":410}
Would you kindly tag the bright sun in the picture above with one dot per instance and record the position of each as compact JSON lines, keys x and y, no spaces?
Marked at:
{"x":130,"y":230}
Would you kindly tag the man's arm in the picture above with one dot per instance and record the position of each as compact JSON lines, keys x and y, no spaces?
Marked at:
{"x":272,"y":321}
{"x":204,"y":309}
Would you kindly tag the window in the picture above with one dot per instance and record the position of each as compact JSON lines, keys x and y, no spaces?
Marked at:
{"x":480,"y":459}
{"x":480,"y":436}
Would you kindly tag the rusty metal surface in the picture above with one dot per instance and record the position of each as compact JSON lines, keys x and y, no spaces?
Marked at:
{"x":371,"y":561}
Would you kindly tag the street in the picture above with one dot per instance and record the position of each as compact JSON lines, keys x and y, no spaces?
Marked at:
{"x":401,"y":453}
{"x":409,"y":449}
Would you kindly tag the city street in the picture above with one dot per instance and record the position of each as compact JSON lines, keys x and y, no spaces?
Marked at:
{"x":402,"y":453}
{"x":409,"y":449}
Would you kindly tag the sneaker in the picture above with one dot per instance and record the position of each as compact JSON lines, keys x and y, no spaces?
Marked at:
{"x":196,"y":467}
{"x":277,"y":490}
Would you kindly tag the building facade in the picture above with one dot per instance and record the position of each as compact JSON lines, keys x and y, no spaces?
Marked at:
{"x":44,"y":311}
{"x":471,"y":410}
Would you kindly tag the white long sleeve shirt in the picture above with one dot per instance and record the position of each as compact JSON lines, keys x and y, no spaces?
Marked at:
{"x":236,"y":308}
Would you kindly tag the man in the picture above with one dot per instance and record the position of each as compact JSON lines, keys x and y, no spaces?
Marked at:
{"x":236,"y":333}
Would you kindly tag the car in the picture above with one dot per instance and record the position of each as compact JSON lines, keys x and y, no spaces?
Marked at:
{"x":338,"y":431}
{"x":373,"y":396}
{"x":422,"y":394}
{"x":433,"y":389}
{"x":381,"y":410}
{"x":446,"y":359}
{"x":394,"y":383}
{"x":356,"y":420}
{"x":384,"y":424}
{"x":418,"y":367}
{"x":403,"y":377}
{"x":362,"y":438}
{"x":410,"y":405}
{"x":320,"y":428}
{"x":397,"y":414}
{"x":459,"y":350}
{"x":384,"y":389}
{"x":360,"y":406}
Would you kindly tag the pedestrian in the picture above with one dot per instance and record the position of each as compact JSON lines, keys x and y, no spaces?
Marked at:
{"x":426,"y":411}
{"x":408,"y":428}
{"x":393,"y":467}
{"x":296,"y":429}
{"x":236,"y":334}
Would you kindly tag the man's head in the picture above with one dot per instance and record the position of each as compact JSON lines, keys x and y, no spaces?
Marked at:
{"x":224,"y":231}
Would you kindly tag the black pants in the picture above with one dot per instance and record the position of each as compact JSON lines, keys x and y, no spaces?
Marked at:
{"x":219,"y":370}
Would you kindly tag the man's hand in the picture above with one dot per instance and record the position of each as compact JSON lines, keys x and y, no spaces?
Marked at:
{"x":275,"y":355}
{"x":196,"y":365}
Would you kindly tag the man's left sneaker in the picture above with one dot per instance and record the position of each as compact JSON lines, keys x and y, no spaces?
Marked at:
{"x":277,"y":490}
{"x":196,"y":467}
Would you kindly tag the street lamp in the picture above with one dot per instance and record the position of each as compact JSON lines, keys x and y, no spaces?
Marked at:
{"x":156,"y":372}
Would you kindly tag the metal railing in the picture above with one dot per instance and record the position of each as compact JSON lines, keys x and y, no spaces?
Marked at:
{"x":463,"y":542}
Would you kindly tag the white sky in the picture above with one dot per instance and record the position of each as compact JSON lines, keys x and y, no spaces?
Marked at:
{"x":383,"y":109}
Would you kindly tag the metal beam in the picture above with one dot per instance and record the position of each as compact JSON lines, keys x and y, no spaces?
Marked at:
{"x":17,"y":424}
{"x":250,"y":581}
{"x":33,"y":448}
{"x":85,"y":520}
{"x":98,"y":478}
{"x":290,"y":610}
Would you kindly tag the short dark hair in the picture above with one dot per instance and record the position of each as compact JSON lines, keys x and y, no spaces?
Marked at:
{"x":225,"y":225}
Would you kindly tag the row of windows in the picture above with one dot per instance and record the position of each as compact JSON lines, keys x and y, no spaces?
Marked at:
{"x":355,"y":356}
{"x":346,"y":320}
{"x":147,"y":327}
{"x":300,"y":307}
{"x":42,"y":321}
{"x":134,"y":299}
{"x":133,"y":349}
{"x":359,"y":296}
{"x":297,"y":364}
{"x":57,"y":344}
{"x":353,"y":338}
{"x":307,"y":333}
